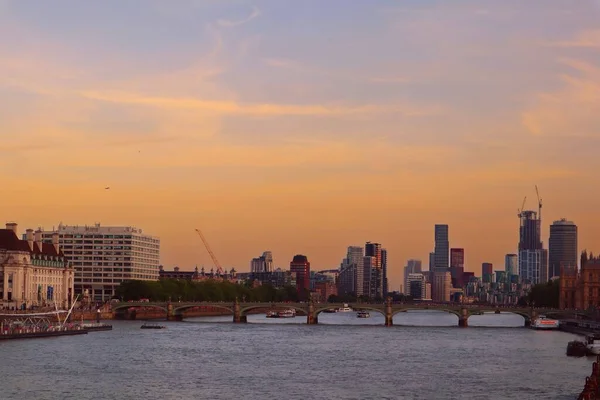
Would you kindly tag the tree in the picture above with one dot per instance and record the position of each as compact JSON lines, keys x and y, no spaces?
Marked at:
{"x":545,"y":295}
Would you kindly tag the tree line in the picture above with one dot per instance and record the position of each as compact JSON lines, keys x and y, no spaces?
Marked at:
{"x":545,"y":295}
{"x":209,"y":290}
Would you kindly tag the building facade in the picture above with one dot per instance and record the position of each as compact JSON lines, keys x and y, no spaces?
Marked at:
{"x":442,"y":283}
{"x":511,"y":264}
{"x":374,"y":251}
{"x":417,"y":286}
{"x":301,"y":268}
{"x":384,"y":269}
{"x":32,"y":272}
{"x":442,"y":247}
{"x":457,"y":267}
{"x":562,"y":246}
{"x":351,"y":276}
{"x":263,"y":263}
{"x":487,"y":272}
{"x":105,"y":256}
{"x":533,"y":258}
{"x":412,"y":267}
{"x":580,"y":289}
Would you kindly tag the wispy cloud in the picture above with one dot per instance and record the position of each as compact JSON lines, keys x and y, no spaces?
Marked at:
{"x":230,"y":23}
{"x":587,"y":39}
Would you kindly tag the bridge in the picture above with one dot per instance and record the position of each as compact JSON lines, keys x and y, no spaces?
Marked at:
{"x":175,"y":311}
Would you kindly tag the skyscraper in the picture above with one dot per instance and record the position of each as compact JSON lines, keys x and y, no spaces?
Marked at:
{"x":351,"y":277}
{"x":441,"y":285}
{"x":442,"y":247}
{"x":562,"y":246}
{"x":487,"y":271}
{"x":533,"y":258}
{"x":384,"y":271}
{"x":373,"y":250}
{"x":301,"y":267}
{"x":263,"y":263}
{"x":511,"y":264}
{"x":412,"y":267}
{"x":457,"y":266}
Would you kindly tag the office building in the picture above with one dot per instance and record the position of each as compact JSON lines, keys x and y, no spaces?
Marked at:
{"x":511,"y":264}
{"x":457,"y":267}
{"x":562,"y":246}
{"x":384,"y":269}
{"x":533,"y":258}
{"x":301,"y":268}
{"x":442,"y":283}
{"x":105,"y":256}
{"x":487,"y":272}
{"x":263,"y":263}
{"x":412,"y":267}
{"x":351,"y":276}
{"x":33,"y":273}
{"x":442,"y":248}
{"x":417,"y":286}
{"x":374,"y":251}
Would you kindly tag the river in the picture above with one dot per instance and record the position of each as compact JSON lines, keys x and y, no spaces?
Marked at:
{"x":423,"y":356}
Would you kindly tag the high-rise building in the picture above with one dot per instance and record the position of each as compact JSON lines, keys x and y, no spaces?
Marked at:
{"x":511,"y":264}
{"x":351,"y":277}
{"x":262,"y":264}
{"x":487,"y":271}
{"x":562,"y":246}
{"x":373,"y":250}
{"x":105,"y":256}
{"x":533,"y":258}
{"x":431,"y":261}
{"x":457,"y":266}
{"x":301,"y":267}
{"x":442,"y":248}
{"x":412,"y":267}
{"x":417,"y":286}
{"x":442,"y":283}
{"x":384,"y":270}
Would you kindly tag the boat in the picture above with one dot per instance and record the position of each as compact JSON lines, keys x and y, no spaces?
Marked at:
{"x":543,"y":322}
{"x":95,"y":327}
{"x":576,"y":348}
{"x":330,"y":310}
{"x":153,"y":326}
{"x":363,"y":314}
{"x":344,"y":309}
{"x":272,"y":314}
{"x":289,"y":313}
{"x":593,"y":344}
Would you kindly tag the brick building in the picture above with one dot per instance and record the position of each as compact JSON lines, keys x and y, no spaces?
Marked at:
{"x":580,"y":289}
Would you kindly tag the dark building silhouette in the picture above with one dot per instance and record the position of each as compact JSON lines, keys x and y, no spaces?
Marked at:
{"x":301,"y":267}
{"x":376,"y":276}
{"x":487,"y":271}
{"x":562,"y":246}
{"x":442,"y":248}
{"x":457,"y":266}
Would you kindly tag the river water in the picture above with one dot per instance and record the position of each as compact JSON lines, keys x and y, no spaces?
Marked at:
{"x":423,"y":356}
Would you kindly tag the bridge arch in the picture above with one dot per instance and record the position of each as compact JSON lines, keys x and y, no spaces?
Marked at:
{"x":354,"y":307}
{"x":126,"y":306}
{"x":446,"y":310}
{"x":274,"y":306}
{"x":181,"y":309}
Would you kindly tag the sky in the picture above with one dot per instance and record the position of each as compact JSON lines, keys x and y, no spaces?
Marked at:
{"x":302,"y":127}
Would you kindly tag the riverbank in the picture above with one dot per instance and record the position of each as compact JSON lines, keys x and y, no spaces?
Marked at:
{"x":151,"y":314}
{"x":582,"y":328}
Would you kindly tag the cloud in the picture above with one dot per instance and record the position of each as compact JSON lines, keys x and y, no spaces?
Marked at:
{"x":573,"y":110}
{"x":232,"y":107}
{"x":587,"y":39}
{"x":229,"y":23}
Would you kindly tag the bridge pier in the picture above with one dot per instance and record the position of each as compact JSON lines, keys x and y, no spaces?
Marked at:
{"x":311,"y":317}
{"x":389,"y":315}
{"x":463,"y":319}
{"x":533,"y":317}
{"x":238,"y":318}
{"x":170,"y":313}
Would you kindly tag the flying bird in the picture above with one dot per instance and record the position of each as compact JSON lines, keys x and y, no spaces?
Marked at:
{"x":106,"y":188}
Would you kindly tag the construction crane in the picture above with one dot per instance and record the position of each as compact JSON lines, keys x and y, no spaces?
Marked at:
{"x":522,"y":208}
{"x":212,"y":255}
{"x":539,"y":203}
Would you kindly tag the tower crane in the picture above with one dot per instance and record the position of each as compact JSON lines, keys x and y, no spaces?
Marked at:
{"x":539,"y":203}
{"x":522,"y":208}
{"x":212,"y":255}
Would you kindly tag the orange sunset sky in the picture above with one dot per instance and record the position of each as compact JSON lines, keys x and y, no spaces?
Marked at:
{"x":302,"y":126}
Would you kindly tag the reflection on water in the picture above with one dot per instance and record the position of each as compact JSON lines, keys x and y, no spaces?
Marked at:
{"x":344,"y":357}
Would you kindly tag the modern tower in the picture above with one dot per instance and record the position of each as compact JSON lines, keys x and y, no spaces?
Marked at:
{"x":373,"y":250}
{"x":412,"y":267}
{"x":562,"y":246}
{"x":442,"y":248}
{"x":351,"y":277}
{"x":384,"y":269}
{"x":511,"y":264}
{"x":301,"y":267}
{"x":457,"y":266}
{"x":487,"y":270}
{"x":533,"y":258}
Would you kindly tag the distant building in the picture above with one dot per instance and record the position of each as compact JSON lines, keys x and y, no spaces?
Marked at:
{"x":351,"y":276}
{"x":457,"y":266}
{"x":580,"y":289}
{"x":301,"y":267}
{"x":533,"y":258}
{"x":442,"y":283}
{"x":487,"y":272}
{"x":324,"y":289}
{"x":176,"y":273}
{"x":511,"y":264}
{"x":263,"y":263}
{"x":562,"y":246}
{"x":32,"y":272}
{"x":374,"y":251}
{"x":417,"y":286}
{"x":442,"y":247}
{"x":105,"y":256}
{"x":412,"y":267}
{"x":384,"y":269}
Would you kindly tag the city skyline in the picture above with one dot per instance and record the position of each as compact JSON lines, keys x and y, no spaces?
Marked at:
{"x":237,"y":119}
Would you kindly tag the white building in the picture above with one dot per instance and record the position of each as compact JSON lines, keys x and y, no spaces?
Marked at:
{"x":105,"y":256}
{"x":511,"y":264}
{"x":263,"y":263}
{"x":33,"y":273}
{"x":533,"y":266}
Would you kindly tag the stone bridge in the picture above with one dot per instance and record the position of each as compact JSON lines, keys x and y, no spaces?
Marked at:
{"x":175,"y":311}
